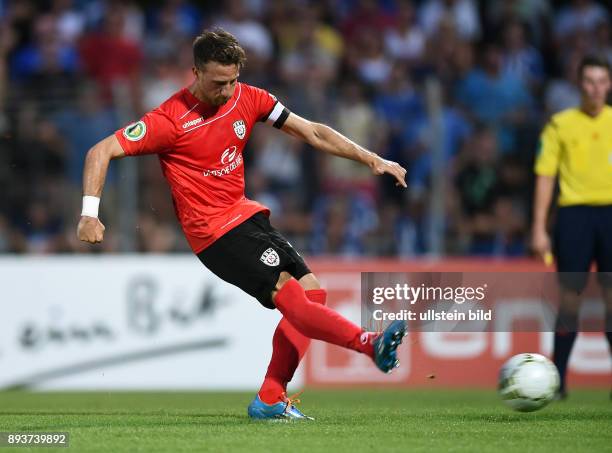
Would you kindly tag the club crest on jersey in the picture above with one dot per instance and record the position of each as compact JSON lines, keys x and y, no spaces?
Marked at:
{"x":239,"y":129}
{"x":270,"y":258}
{"x":135,"y":131}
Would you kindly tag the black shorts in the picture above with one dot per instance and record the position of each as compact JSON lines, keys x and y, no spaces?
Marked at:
{"x":251,"y":256}
{"x":583,"y":235}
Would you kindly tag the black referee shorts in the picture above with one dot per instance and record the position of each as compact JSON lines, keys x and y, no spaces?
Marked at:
{"x":583,"y":235}
{"x":251,"y":256}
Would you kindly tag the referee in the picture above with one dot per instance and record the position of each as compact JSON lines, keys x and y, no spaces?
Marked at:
{"x":576,"y":147}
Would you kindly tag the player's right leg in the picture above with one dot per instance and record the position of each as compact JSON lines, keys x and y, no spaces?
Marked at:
{"x":322,"y":323}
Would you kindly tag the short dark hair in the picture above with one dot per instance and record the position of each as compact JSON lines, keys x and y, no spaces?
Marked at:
{"x":217,"y":45}
{"x":598,"y":61}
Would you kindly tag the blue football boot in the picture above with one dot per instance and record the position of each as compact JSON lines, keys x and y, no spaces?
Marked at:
{"x":283,"y":410}
{"x":385,"y":346}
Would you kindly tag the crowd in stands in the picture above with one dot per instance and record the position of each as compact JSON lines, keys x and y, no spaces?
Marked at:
{"x":74,"y":71}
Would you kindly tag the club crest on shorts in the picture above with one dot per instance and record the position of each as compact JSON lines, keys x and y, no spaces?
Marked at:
{"x":270,"y":258}
{"x":239,"y":129}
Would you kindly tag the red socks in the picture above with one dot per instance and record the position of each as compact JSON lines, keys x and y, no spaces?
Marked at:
{"x":288,"y":348}
{"x":305,"y":316}
{"x":318,"y":321}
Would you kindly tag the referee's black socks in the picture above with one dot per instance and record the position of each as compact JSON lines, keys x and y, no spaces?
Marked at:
{"x":564,"y":341}
{"x":565,"y":336}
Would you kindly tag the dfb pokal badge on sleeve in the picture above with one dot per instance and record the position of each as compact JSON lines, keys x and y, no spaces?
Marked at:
{"x":240,"y":128}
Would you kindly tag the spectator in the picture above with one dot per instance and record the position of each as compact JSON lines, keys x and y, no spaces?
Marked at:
{"x":310,"y":47}
{"x":444,"y":47}
{"x":368,"y":57}
{"x":164,"y":79}
{"x":603,"y":40}
{"x":456,"y":131}
{"x":45,"y":53}
{"x":401,"y":107}
{"x":366,"y":18}
{"x":406,"y":40}
{"x":477,"y":186}
{"x":463,"y":14}
{"x":579,"y":15}
{"x":122,"y":60}
{"x":253,"y":36}
{"x":72,"y":71}
{"x":42,"y":229}
{"x":94,"y":123}
{"x":495,"y":98}
{"x":341,"y":224}
{"x":356,"y":120}
{"x":535,"y":14}
{"x":563,"y":92}
{"x":70,"y":21}
{"x":278,"y":161}
{"x":520,"y":59}
{"x":7,"y":41}
{"x":168,"y":34}
{"x":179,"y":17}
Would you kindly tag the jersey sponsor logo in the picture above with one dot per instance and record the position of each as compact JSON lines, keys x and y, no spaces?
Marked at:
{"x":135,"y":131}
{"x":228,"y":155}
{"x":192,"y":122}
{"x":270,"y":258}
{"x":231,"y":158}
{"x":239,"y":129}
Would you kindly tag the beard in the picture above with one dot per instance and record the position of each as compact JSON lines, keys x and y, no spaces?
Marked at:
{"x":220,"y":101}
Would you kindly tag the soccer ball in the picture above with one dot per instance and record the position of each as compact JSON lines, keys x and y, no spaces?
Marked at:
{"x":528,"y":382}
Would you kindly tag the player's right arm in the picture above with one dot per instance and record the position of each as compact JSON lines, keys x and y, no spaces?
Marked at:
{"x":154,"y":133}
{"x":546,"y":167}
{"x":90,"y":229}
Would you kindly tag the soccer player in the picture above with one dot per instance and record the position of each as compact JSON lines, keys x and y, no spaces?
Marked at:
{"x":199,"y":135}
{"x":576,"y":146}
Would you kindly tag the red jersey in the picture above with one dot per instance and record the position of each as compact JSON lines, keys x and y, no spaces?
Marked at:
{"x":200,"y":151}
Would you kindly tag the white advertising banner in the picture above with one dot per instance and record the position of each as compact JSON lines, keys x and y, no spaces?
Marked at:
{"x":128,"y":322}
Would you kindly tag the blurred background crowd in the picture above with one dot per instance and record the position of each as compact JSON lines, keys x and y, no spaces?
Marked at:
{"x":74,"y":71}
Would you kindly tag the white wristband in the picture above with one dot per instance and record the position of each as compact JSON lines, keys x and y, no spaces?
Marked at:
{"x":90,"y":206}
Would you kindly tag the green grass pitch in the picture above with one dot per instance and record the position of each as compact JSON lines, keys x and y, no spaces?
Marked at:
{"x":346,"y":420}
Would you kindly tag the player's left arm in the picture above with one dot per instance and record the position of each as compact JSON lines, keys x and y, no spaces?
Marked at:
{"x":326,"y":139}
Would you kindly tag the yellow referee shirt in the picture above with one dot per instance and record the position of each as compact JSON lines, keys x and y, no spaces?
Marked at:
{"x":578,"y":148}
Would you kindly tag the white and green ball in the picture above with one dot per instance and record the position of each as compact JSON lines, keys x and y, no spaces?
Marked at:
{"x":528,"y":382}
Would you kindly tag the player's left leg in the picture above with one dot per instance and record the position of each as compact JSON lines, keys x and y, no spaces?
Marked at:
{"x":288,"y":348}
